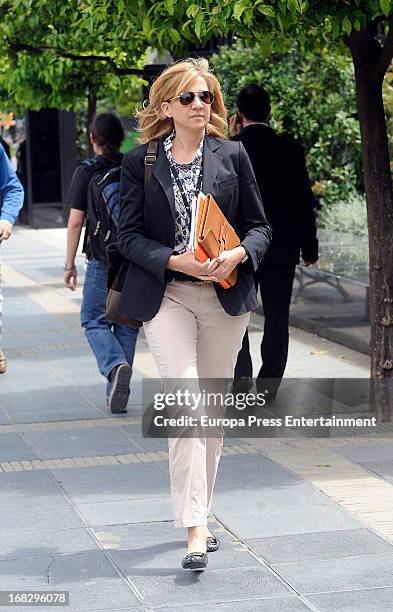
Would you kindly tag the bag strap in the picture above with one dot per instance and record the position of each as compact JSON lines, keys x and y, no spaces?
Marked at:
{"x":150,"y":160}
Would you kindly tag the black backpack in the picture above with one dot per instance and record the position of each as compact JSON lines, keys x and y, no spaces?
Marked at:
{"x":103,"y":209}
{"x":117,"y":264}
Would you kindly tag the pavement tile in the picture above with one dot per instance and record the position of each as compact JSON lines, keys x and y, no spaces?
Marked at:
{"x":47,"y":396}
{"x":169,"y":556}
{"x":253,"y":525}
{"x":84,"y":369}
{"x":11,"y":439}
{"x":71,"y":352}
{"x":174,"y":586}
{"x":270,"y":497}
{"x":250,"y":472}
{"x":343,"y":574}
{"x":90,"y":449}
{"x":153,"y":444}
{"x":126,"y":511}
{"x":96,"y":607}
{"x":110,"y":483}
{"x":48,"y":415}
{"x":23,"y":396}
{"x":34,"y":488}
{"x":39,"y":543}
{"x":145,"y":444}
{"x":160,"y":545}
{"x":367,"y":600}
{"x":285,"y":520}
{"x":26,"y":367}
{"x":72,"y":436}
{"x":128,"y":537}
{"x":320,"y":545}
{"x":43,"y":518}
{"x":120,"y":490}
{"x":132,"y":473}
{"x":381,"y":468}
{"x":273,"y":604}
{"x":128,"y":609}
{"x":80,"y":442}
{"x":365,"y":453}
{"x":95,"y":394}
{"x":13,"y":447}
{"x":24,"y":573}
{"x":89,"y":576}
{"x":16,"y":453}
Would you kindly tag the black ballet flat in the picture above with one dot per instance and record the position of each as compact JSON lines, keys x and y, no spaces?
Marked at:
{"x":194,"y":561}
{"x":212,"y":544}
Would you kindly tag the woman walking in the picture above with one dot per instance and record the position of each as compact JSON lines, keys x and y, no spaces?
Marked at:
{"x":193,"y":326}
{"x":113,"y":345}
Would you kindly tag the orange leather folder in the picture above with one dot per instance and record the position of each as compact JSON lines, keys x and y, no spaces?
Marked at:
{"x":214,"y":234}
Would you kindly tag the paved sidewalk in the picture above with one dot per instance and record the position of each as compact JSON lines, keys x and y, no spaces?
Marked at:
{"x":304,"y":523}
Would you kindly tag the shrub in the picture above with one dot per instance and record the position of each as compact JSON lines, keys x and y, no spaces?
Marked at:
{"x":313,"y":100}
{"x":345,"y":216}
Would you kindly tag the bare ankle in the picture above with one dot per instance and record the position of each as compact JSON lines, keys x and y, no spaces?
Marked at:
{"x":198,"y":531}
{"x":197,"y":539}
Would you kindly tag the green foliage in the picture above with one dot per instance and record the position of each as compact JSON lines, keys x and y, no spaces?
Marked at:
{"x":313,"y":100}
{"x":44,"y":45}
{"x":130,"y":142}
{"x":41,"y":40}
{"x":282,"y":21}
{"x":122,"y":100}
{"x":348,"y":215}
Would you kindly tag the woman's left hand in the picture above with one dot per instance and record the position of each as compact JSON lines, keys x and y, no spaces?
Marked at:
{"x":227,"y":262}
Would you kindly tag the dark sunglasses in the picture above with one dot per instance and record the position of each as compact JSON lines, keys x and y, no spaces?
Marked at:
{"x":186,"y":97}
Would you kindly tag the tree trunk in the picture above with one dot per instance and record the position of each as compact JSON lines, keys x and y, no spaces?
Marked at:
{"x":91,"y":111}
{"x":379,"y":194}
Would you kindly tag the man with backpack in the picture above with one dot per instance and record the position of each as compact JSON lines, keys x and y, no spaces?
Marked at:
{"x":94,"y":195}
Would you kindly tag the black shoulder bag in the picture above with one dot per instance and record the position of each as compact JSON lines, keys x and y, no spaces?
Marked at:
{"x":117,"y":264}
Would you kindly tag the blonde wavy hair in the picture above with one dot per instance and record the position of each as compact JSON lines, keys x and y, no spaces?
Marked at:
{"x":176,"y":78}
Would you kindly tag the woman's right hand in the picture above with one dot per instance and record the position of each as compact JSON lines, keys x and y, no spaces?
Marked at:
{"x":188,"y":264}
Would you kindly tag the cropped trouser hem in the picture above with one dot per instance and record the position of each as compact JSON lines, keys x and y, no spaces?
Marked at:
{"x":192,"y":522}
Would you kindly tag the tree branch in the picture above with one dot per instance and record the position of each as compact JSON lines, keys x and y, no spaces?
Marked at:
{"x":15,"y":47}
{"x":386,"y":54}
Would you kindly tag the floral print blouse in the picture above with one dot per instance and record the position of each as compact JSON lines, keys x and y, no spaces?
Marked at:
{"x":188,"y":175}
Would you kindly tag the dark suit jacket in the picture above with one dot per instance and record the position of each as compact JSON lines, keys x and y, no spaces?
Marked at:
{"x":280,"y":169}
{"x":146,"y":233}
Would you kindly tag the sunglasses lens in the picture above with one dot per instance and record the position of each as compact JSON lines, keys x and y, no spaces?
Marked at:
{"x":207,"y":97}
{"x":186,"y":97}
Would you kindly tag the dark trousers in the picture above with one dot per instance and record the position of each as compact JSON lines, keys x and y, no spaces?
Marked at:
{"x":275,"y":283}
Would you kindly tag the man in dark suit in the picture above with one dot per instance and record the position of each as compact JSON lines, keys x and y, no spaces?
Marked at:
{"x":280,"y":169}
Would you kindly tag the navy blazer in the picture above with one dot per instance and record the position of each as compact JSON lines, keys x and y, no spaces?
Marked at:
{"x":146,"y":232}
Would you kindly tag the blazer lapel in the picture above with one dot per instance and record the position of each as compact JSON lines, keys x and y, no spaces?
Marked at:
{"x":211,"y":163}
{"x":162,"y":174}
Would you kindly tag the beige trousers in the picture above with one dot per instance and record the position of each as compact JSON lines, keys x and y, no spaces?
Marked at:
{"x":192,"y":337}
